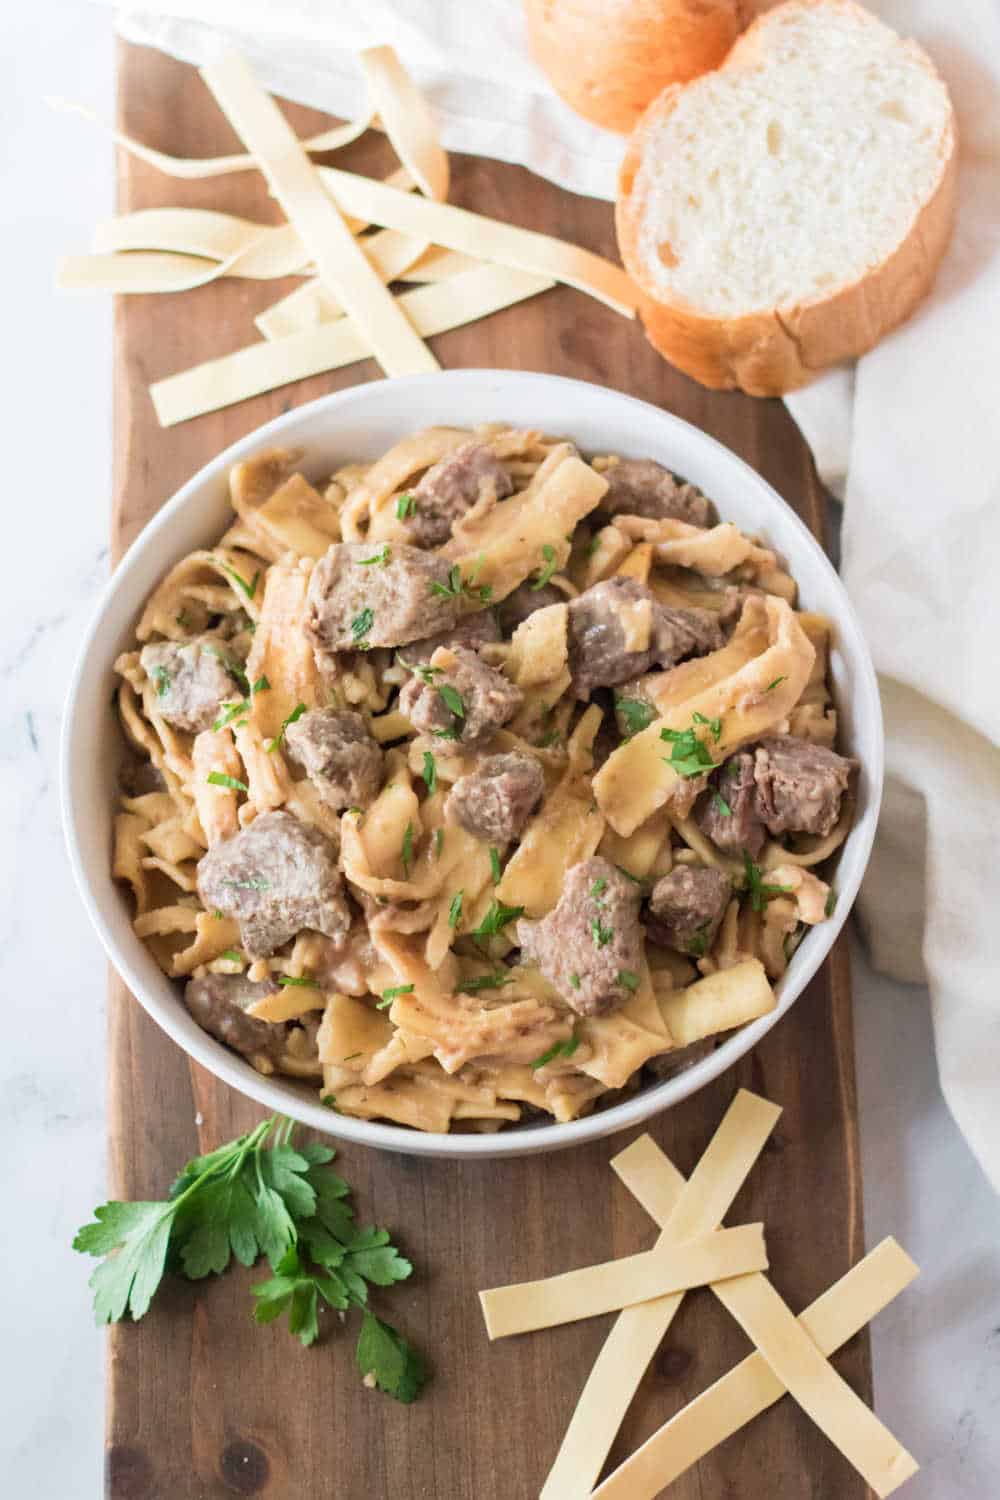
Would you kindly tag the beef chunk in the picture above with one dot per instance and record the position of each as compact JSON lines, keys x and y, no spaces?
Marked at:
{"x":190,"y":679}
{"x":471,"y":474}
{"x":480,"y":629}
{"x":276,"y":877}
{"x":799,"y":785}
{"x":495,"y":800}
{"x":354,"y":602}
{"x":515,"y":609}
{"x":484,"y":696}
{"x":642,"y":487}
{"x":218,"y":1003}
{"x":339,"y":755}
{"x":138,"y":777}
{"x":687,"y":907}
{"x":729,"y":816}
{"x":598,"y":653}
{"x":590,"y":946}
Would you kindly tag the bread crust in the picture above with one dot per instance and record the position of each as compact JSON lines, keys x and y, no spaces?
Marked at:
{"x":778,"y":349}
{"x":609,"y":58}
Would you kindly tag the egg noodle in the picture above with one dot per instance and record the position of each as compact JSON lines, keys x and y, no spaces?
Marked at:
{"x":428,"y":1010}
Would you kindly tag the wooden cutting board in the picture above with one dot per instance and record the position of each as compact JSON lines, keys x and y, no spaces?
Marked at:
{"x":201,"y":1401}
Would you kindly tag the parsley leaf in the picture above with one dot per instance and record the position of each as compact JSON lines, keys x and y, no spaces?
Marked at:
{"x":406,"y":853}
{"x":430,"y":772}
{"x":405,"y":506}
{"x":772,"y":685}
{"x":378,"y":559}
{"x":636,"y":714}
{"x":629,"y":980}
{"x":360,"y":626}
{"x":438,"y":842}
{"x":496,"y":918}
{"x":602,"y":935}
{"x":384,"y":1356}
{"x":455,"y":909}
{"x":494,"y":981}
{"x":495,"y":865}
{"x":598,"y":888}
{"x":292,"y":718}
{"x":161,"y":677}
{"x":231,"y":710}
{"x":233,"y":667}
{"x":574,"y":980}
{"x":558,"y":1049}
{"x":830,"y":905}
{"x":232,"y":955}
{"x":219,"y":778}
{"x":697,"y":944}
{"x":457,"y":586}
{"x":714,"y":725}
{"x":549,"y":555}
{"x":259,"y":1195}
{"x":722,"y":804}
{"x":252,"y":883}
{"x":552,"y":738}
{"x":247,"y":588}
{"x":260,"y":686}
{"x":452,"y":700}
{"x":628,"y":875}
{"x":690,"y":756}
{"x":297,"y":979}
{"x":760,"y":894}
{"x":389,"y":995}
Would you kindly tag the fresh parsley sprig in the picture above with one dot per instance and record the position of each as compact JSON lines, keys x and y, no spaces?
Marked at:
{"x":259,"y":1195}
{"x":760,"y":893}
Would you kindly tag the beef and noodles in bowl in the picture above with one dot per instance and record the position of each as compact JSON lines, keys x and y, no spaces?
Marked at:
{"x":491,"y":779}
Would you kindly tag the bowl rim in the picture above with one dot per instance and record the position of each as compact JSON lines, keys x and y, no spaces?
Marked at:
{"x":273,"y":1092}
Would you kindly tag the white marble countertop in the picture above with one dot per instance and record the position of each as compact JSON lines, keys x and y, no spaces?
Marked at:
{"x":937,"y":1349}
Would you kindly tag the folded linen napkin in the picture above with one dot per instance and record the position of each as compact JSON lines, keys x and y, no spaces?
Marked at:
{"x":909,"y":439}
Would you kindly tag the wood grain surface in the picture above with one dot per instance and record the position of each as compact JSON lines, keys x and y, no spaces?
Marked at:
{"x":202,"y":1402}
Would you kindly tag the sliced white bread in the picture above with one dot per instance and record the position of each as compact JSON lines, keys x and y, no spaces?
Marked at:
{"x":784,"y":212}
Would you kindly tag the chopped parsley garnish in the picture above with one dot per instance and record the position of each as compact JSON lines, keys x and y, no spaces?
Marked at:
{"x":184,"y":620}
{"x":495,"y":981}
{"x":260,"y":686}
{"x":629,"y":980}
{"x":636,"y":714}
{"x":628,"y":875}
{"x":248,"y":588}
{"x":445,"y":734}
{"x":552,"y":738}
{"x":219,"y":778}
{"x":452,"y":700}
{"x":549,"y":556}
{"x":161,"y":677}
{"x":714,"y":725}
{"x":831,"y":902}
{"x":438,"y":841}
{"x":406,"y":853}
{"x":772,"y":685}
{"x":378,"y":559}
{"x":574,"y":980}
{"x":360,"y":626}
{"x":455,"y":909}
{"x":496,"y":918}
{"x":602,"y":935}
{"x":231,"y":710}
{"x":388,"y":996}
{"x":293,"y":718}
{"x":427,"y":674}
{"x":405,"y":506}
{"x":351,"y":1056}
{"x":559,"y":1049}
{"x":259,"y":1195}
{"x":329,"y":1101}
{"x":722,"y":804}
{"x":232,"y":667}
{"x":430,"y":773}
{"x":457,"y":586}
{"x":252,"y":883}
{"x":495,"y":865}
{"x":593,"y":544}
{"x":598,"y":888}
{"x":302,"y":981}
{"x":232,"y":955}
{"x":690,"y":756}
{"x":697,"y":944}
{"x":760,"y":893}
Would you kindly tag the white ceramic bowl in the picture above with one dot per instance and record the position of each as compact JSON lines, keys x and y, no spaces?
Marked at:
{"x":362,"y":423}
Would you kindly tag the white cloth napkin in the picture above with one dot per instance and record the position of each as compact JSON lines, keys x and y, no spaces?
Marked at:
{"x":910,"y":439}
